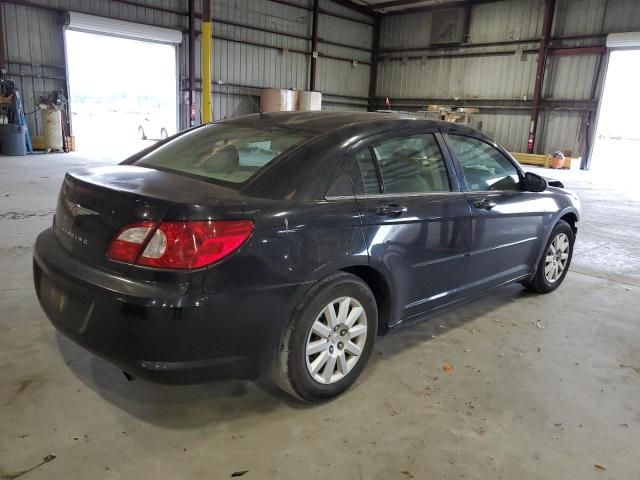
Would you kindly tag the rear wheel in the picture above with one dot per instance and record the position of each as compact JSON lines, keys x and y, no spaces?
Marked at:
{"x":327,"y":345}
{"x":554,"y":264}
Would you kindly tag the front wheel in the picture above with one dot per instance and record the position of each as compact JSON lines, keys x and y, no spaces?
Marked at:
{"x":555,"y":261}
{"x":326,"y":346}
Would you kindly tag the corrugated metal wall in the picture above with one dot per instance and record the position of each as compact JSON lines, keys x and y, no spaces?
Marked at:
{"x":35,"y":54}
{"x":34,"y":40}
{"x":338,"y":76}
{"x":263,"y":43}
{"x":283,"y":60}
{"x":414,"y":73}
{"x":257,"y":43}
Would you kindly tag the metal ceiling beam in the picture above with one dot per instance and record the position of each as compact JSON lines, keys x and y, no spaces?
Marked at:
{"x":355,"y":6}
{"x":432,"y":8}
{"x":395,"y":3}
{"x":560,"y":51}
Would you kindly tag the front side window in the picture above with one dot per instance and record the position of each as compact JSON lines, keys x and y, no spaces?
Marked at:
{"x":412,"y":164}
{"x":483,"y":166}
{"x":227,"y":152}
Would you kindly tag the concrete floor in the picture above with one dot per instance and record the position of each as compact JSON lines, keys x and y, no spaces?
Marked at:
{"x":542,"y":386}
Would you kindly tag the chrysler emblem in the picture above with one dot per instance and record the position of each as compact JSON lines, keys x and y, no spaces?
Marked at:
{"x":76,"y":209}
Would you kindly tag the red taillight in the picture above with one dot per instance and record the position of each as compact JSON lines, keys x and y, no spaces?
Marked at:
{"x":129,"y":241}
{"x":179,"y":245}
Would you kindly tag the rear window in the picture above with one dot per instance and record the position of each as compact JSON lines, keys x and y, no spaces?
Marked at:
{"x":225,"y":152}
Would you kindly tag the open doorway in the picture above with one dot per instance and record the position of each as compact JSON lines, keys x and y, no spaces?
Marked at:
{"x":617,"y":140}
{"x":123,"y":92}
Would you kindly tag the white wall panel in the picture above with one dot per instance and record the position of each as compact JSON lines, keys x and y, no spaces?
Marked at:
{"x":507,"y":20}
{"x":495,"y":77}
{"x":342,"y":78}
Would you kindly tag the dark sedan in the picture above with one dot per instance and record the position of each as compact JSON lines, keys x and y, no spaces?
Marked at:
{"x":285,"y":243}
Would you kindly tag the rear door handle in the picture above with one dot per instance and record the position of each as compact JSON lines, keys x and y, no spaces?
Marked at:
{"x":484,"y":204}
{"x":391,"y":210}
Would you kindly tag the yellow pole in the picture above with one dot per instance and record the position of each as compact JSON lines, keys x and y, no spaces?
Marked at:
{"x":205,"y":48}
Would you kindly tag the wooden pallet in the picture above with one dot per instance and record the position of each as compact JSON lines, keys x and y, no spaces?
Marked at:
{"x":38,"y":143}
{"x":541,"y":160}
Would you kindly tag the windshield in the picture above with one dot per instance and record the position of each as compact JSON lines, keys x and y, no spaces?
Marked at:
{"x":227,"y":152}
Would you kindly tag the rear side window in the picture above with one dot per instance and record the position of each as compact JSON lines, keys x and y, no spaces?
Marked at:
{"x":412,"y":164}
{"x":225,"y":152}
{"x":483,"y":166}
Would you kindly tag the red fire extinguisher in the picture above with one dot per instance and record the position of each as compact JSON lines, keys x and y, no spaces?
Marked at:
{"x":530,"y":143}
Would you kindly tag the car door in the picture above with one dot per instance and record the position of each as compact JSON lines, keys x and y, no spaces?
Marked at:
{"x":507,"y":221}
{"x":416,"y":220}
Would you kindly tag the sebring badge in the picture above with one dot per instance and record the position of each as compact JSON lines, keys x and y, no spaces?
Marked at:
{"x":76,"y":209}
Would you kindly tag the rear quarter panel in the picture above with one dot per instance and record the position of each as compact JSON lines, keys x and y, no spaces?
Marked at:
{"x":293,"y":244}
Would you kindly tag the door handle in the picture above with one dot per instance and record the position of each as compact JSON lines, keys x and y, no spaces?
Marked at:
{"x":484,"y":204}
{"x":391,"y":210}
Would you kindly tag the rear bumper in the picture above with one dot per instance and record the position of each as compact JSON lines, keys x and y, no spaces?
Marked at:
{"x":164,"y":332}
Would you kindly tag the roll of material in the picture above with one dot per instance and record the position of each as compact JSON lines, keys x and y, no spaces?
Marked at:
{"x":278,"y":100}
{"x":309,"y":101}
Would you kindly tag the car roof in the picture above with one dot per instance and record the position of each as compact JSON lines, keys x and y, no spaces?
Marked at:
{"x":324,"y":122}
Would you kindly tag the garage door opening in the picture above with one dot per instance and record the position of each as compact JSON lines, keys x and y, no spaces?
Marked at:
{"x":617,"y":136}
{"x":123,"y":92}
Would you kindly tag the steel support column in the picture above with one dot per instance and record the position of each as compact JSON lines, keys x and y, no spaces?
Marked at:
{"x":547,"y":24}
{"x":373,"y":71}
{"x":3,"y":64}
{"x":205,"y":47}
{"x":314,"y":45}
{"x":192,"y":61}
{"x":466,"y":24}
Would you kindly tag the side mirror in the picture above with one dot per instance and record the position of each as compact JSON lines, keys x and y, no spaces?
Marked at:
{"x":534,"y":182}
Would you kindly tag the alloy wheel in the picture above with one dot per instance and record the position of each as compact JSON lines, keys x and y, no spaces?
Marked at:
{"x":557,"y":258}
{"x":336,"y":340}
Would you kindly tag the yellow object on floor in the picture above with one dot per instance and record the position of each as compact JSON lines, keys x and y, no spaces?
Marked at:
{"x":541,"y":160}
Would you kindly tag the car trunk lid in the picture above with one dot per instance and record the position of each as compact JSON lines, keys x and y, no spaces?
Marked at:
{"x":94,"y":204}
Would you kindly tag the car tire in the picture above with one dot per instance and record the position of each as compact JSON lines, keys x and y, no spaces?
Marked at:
{"x":337,"y":355}
{"x":141,"y":134}
{"x":555,"y":261}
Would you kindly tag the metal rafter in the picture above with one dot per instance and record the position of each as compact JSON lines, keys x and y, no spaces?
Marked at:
{"x":364,"y":9}
{"x":399,"y":4}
